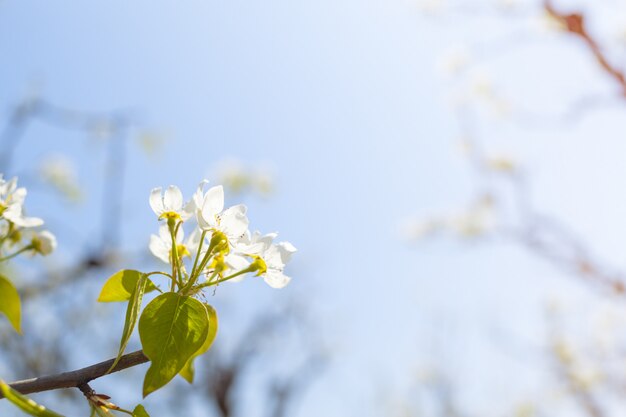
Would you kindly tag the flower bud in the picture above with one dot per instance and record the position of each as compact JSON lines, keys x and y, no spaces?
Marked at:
{"x":44,"y":243}
{"x":219,"y":242}
{"x":258,"y":265}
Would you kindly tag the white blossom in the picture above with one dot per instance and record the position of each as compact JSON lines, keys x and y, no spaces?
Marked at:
{"x":12,"y":204}
{"x":268,"y":259}
{"x":276,"y":257}
{"x":169,"y":204}
{"x":211,"y":215}
{"x":161,"y":244}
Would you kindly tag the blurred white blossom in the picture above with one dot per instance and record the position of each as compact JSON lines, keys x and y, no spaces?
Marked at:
{"x":59,"y":171}
{"x":238,"y":177}
{"x":477,"y":220}
{"x":454,"y":61}
{"x":500,"y":164}
{"x":12,"y":204}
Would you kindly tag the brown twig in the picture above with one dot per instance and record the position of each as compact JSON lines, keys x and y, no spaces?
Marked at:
{"x":574,"y":23}
{"x":74,"y":379}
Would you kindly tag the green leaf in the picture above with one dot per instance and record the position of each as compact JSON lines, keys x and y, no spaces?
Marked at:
{"x":120,"y":286}
{"x":132,"y":313}
{"x":172,"y":328}
{"x":10,"y":303}
{"x":188,"y":370}
{"x":24,"y":403}
{"x":139,"y":411}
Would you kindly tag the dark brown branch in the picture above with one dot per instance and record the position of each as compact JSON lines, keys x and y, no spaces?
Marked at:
{"x":73,"y":379}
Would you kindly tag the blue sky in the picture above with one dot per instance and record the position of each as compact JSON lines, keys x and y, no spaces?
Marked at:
{"x":342,"y":99}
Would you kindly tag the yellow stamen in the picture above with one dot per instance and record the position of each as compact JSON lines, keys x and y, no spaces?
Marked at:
{"x":170,"y":215}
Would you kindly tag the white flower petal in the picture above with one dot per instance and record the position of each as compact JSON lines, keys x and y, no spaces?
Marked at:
{"x":266,"y":241}
{"x":286,"y":249}
{"x":173,"y":199}
{"x":276,"y":279}
{"x":236,"y":261}
{"x":159,"y":248}
{"x":198,"y":196}
{"x":156,"y":201}
{"x":195,"y":203}
{"x":14,"y":214}
{"x":189,"y":210}
{"x":205,"y":224}
{"x":164,"y":234}
{"x":213,"y":201}
{"x":11,"y":185}
{"x":193,"y":241}
{"x":273,"y":258}
{"x":18,"y":196}
{"x":28,"y":221}
{"x":233,"y":221}
{"x":252,"y":249}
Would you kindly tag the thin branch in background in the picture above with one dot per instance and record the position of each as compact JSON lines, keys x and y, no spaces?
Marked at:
{"x":13,"y":131}
{"x":224,"y":374}
{"x":113,"y":191}
{"x":541,"y":234}
{"x":573,"y":115}
{"x":284,"y":392}
{"x":563,"y":363}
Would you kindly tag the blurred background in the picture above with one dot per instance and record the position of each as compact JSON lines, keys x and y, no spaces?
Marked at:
{"x":452,"y":173}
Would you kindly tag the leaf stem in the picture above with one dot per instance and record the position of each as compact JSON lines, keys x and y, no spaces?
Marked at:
{"x":195,"y":261}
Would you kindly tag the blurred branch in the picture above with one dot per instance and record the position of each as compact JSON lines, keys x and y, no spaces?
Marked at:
{"x":575,"y":113}
{"x":36,"y":108}
{"x":539,"y":233}
{"x":564,"y":363}
{"x":284,"y":392}
{"x":225,"y":373}
{"x":58,"y":279}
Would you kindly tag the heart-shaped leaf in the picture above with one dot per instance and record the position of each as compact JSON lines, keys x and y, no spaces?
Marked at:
{"x":172,"y":328}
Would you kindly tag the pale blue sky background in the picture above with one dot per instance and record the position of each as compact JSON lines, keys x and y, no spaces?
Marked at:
{"x":343,"y":100}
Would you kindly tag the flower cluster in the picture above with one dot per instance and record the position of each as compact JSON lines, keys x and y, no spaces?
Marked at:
{"x":16,"y":227}
{"x":220,"y":247}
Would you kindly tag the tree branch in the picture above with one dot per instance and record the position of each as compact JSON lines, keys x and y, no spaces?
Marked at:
{"x":574,"y":23}
{"x":78,"y":377}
